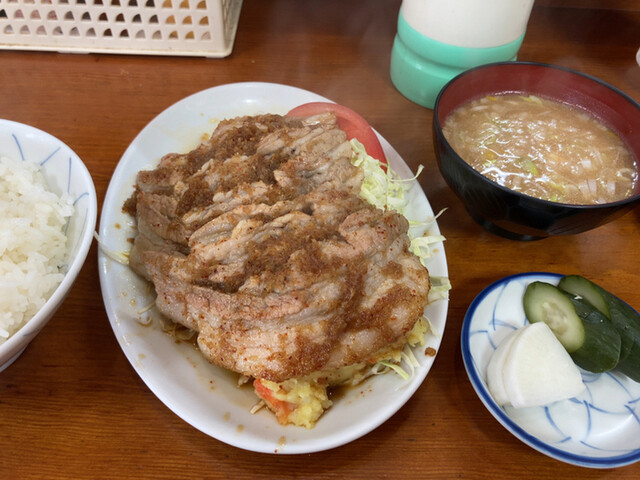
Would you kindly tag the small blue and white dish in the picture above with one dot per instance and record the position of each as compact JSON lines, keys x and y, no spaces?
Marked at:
{"x":600,"y":428}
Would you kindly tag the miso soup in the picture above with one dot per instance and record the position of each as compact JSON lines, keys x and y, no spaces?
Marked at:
{"x":543,"y":148}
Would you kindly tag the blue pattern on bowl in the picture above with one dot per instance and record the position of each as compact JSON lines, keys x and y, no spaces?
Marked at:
{"x":600,"y":428}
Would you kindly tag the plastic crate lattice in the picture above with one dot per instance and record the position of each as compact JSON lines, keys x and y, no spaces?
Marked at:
{"x":162,"y":27}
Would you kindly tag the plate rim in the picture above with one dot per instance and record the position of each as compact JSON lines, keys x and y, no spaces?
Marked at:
{"x":499,"y":414}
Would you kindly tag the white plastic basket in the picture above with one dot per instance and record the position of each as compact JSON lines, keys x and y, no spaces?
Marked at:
{"x":153,"y":27}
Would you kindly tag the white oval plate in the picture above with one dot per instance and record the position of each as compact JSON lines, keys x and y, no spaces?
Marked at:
{"x":204,"y":395}
{"x":600,"y":428}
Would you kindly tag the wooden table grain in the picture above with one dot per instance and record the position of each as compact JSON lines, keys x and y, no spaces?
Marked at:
{"x":72,"y":407}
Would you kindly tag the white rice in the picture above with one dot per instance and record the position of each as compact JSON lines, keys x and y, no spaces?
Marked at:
{"x":33,"y":243}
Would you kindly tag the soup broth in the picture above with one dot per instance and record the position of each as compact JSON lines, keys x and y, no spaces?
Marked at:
{"x":543,"y":148}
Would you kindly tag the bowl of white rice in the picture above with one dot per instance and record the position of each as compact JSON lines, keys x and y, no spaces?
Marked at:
{"x":49,"y":207}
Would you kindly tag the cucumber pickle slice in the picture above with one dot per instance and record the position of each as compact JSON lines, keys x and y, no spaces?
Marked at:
{"x":603,"y":344}
{"x":624,"y":318}
{"x":544,"y":302}
{"x":587,"y":334}
{"x":586,"y":289}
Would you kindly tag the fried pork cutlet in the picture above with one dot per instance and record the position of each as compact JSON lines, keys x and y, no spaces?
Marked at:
{"x":259,"y":241}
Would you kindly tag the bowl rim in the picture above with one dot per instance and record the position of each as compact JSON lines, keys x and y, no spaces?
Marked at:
{"x":19,"y":339}
{"x":437,"y":127}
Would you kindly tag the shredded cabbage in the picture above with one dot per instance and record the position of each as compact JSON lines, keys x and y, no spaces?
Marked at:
{"x":396,"y":368}
{"x":440,"y":287}
{"x":386,"y":190}
{"x":120,"y":257}
{"x":421,"y":246}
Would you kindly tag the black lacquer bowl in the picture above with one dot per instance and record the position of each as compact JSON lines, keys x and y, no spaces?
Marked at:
{"x":509,"y":213}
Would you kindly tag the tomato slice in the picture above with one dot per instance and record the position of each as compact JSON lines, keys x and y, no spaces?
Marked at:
{"x":349,"y":121}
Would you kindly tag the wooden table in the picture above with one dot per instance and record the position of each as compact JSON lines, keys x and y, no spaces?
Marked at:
{"x":73,"y":407}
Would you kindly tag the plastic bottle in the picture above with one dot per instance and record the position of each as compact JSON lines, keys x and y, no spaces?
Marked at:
{"x":438,"y":39}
